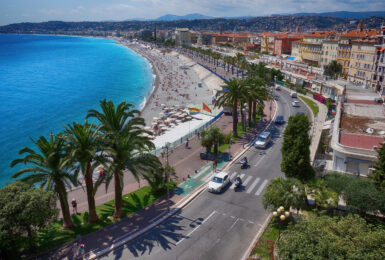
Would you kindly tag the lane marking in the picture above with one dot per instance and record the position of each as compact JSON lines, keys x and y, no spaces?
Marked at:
{"x":233,"y":224}
{"x":252,"y":186}
{"x":160,"y":215}
{"x":233,"y":175}
{"x":233,"y":185}
{"x":202,"y":171}
{"x":192,"y":231}
{"x":251,"y":222}
{"x":247,"y":180}
{"x":259,"y":191}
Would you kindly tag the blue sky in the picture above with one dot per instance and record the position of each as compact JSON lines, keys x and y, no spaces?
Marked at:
{"x":12,"y":11}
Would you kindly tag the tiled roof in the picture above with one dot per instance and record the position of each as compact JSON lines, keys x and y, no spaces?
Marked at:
{"x":360,"y":141}
{"x":360,"y":34}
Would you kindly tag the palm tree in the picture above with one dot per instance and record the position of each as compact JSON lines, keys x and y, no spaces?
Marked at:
{"x":257,"y":93}
{"x":83,"y":143}
{"x":127,"y":148}
{"x":49,"y":169}
{"x":235,"y":92}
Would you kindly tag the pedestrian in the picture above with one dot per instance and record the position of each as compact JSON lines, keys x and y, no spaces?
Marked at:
{"x":186,"y":145}
{"x":199,"y":135}
{"x":75,"y":251}
{"x":74,"y":206}
{"x":82,"y":251}
{"x":215,"y":163}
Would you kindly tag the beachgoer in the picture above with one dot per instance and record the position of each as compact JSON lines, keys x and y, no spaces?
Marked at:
{"x":74,"y":206}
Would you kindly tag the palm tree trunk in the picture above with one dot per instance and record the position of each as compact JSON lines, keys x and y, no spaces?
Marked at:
{"x":250,"y":105}
{"x":118,"y":196}
{"x":235,"y":118}
{"x":62,"y":193}
{"x":90,"y":195}
{"x":254,"y":111}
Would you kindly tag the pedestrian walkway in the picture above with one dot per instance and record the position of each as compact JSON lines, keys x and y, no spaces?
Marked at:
{"x":250,"y":183}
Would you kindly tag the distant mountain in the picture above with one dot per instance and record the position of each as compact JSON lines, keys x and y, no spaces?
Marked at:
{"x":172,"y":17}
{"x":340,"y":14}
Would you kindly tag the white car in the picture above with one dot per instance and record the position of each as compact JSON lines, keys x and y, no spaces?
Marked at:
{"x":295,"y":103}
{"x":218,"y":182}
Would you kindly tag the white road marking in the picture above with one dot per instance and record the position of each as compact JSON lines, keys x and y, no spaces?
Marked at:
{"x":251,"y":222}
{"x":232,"y":217}
{"x":247,"y":180}
{"x":233,"y":175}
{"x":192,"y":231}
{"x":253,"y":185}
{"x":233,"y":224}
{"x":233,"y":185}
{"x":259,"y":191}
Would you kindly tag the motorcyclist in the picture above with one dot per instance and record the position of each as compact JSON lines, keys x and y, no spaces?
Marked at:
{"x":238,"y":181}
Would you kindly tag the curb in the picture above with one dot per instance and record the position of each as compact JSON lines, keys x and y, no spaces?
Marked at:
{"x":257,"y":237}
{"x":178,"y":206}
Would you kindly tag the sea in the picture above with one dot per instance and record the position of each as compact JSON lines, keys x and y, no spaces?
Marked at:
{"x":47,"y":82}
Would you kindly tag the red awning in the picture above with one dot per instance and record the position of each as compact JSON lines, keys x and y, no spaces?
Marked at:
{"x":382,"y":49}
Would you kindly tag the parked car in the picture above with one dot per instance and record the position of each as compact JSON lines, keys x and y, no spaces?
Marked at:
{"x":263,"y":140}
{"x":279,"y":120}
{"x":218,"y":182}
{"x":295,"y":103}
{"x":293,"y":94}
{"x":277,"y":87}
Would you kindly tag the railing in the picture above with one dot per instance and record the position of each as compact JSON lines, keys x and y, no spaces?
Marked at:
{"x":189,"y":134}
{"x":224,"y":79}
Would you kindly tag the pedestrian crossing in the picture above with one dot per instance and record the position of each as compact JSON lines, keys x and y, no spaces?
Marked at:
{"x":250,"y":183}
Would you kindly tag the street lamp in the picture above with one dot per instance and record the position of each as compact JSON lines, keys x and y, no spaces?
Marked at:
{"x":167,"y":149}
{"x":282,"y":216}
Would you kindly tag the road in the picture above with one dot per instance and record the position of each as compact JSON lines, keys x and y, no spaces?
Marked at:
{"x":218,"y":226}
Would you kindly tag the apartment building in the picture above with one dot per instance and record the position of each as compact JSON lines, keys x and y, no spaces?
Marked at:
{"x":329,"y":51}
{"x":283,"y":44}
{"x":182,"y":36}
{"x":343,"y":56}
{"x":362,"y":59}
{"x":379,"y":63}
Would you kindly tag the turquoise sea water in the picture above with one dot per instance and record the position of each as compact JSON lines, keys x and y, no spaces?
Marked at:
{"x":49,"y":81}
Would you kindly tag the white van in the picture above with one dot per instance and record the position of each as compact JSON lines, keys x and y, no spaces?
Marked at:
{"x":293,"y":94}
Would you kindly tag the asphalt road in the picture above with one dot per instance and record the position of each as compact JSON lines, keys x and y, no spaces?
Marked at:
{"x":218,"y":226}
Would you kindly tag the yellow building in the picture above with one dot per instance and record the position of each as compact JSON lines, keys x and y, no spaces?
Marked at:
{"x":362,"y":59}
{"x":343,"y":56}
{"x":329,"y":52}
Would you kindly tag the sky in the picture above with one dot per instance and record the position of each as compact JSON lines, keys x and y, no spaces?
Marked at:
{"x":14,"y":11}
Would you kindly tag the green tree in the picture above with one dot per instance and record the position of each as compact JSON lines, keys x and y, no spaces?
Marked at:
{"x":212,"y":137}
{"x":158,"y":178}
{"x":284,"y":192}
{"x":23,"y":210}
{"x":332,"y":238}
{"x":49,"y":168}
{"x":83,"y":143}
{"x":235,"y":92}
{"x":378,"y":175}
{"x":295,"y":149}
{"x":333,"y":69}
{"x":324,"y":197}
{"x":126,"y":146}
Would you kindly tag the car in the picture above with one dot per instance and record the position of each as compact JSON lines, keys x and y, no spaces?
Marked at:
{"x":277,"y":87}
{"x":295,"y":103}
{"x":276,"y":98}
{"x":218,"y":182}
{"x":293,"y":94}
{"x":279,"y":120}
{"x":263,"y":140}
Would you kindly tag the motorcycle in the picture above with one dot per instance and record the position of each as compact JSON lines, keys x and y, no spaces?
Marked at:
{"x":238,"y":183}
{"x":244,"y":164}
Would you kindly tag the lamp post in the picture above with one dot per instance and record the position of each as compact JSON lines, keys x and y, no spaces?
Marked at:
{"x":167,"y":149}
{"x":282,"y":216}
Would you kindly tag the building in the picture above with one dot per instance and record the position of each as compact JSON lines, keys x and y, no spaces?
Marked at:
{"x":283,"y":44}
{"x":343,"y":56}
{"x":379,"y":64}
{"x":205,"y":38}
{"x":329,"y":51}
{"x":182,"y":36}
{"x":357,"y":132}
{"x":361,"y":67}
{"x":218,"y":38}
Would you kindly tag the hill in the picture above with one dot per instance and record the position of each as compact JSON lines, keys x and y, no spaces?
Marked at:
{"x":340,"y":14}
{"x":172,"y":17}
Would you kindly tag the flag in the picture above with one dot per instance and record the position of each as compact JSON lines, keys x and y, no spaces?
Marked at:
{"x":194,"y":111}
{"x":206,"y":108}
{"x":213,"y":101}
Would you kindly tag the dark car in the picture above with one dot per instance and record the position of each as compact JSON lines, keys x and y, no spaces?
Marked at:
{"x":279,"y":120}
